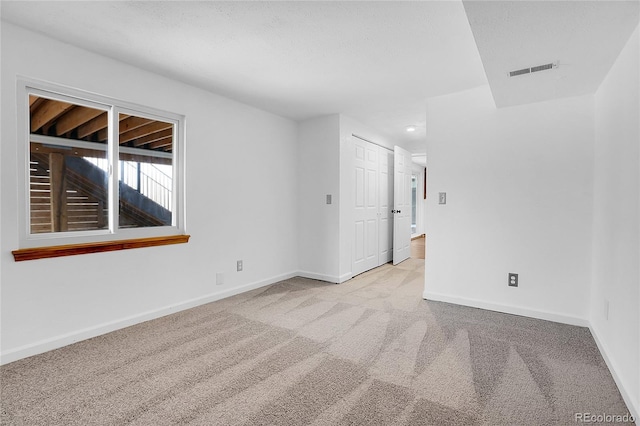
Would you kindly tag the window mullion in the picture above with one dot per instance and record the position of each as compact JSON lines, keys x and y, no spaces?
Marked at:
{"x":114,"y":170}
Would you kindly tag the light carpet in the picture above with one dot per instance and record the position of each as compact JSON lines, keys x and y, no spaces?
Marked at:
{"x":302,"y":352}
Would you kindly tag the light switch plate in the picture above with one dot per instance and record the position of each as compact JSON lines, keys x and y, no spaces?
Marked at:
{"x":328,"y":198}
{"x":442,"y":198}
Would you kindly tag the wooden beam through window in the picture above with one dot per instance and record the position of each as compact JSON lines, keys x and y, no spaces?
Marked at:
{"x":92,"y":126}
{"x":74,"y":118}
{"x":96,"y":125}
{"x":47,"y":112}
{"x":145,"y":130}
{"x":162,"y":143}
{"x":36,"y":104}
{"x":133,"y":123}
{"x":59,"y":221}
{"x":153,"y":137}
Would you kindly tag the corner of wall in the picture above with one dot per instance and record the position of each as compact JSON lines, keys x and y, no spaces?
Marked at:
{"x":318,"y":176}
{"x":615,"y":275}
{"x":633,"y":404}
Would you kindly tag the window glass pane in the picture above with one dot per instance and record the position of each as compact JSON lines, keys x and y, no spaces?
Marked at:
{"x":68,"y":190}
{"x":146,"y":172}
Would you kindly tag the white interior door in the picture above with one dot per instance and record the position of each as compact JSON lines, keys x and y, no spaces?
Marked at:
{"x":385,"y":191}
{"x":401,"y":205}
{"x":365,"y":254}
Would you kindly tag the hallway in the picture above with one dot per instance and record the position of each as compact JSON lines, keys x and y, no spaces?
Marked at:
{"x":417,"y":247}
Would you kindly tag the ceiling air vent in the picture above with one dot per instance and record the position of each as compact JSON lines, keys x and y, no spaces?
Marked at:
{"x":533,"y":69}
{"x":520,"y":72}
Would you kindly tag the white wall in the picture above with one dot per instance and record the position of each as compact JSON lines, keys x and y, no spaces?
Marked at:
{"x":519,"y":199}
{"x":325,"y":156}
{"x":241,"y":204}
{"x":616,"y":222}
{"x":319,"y":175}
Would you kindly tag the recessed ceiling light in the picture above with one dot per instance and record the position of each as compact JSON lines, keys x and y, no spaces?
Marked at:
{"x":411,"y":128}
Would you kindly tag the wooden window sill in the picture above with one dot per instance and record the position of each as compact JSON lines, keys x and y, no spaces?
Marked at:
{"x":74,"y":249}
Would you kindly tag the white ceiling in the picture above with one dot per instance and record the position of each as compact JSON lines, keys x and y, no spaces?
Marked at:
{"x":375,"y":61}
{"x":583,"y":37}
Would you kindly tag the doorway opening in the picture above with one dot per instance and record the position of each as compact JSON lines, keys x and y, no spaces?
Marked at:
{"x":414,"y":205}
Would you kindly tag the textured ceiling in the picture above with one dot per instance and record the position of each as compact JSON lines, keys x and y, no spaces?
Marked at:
{"x":583,"y":37}
{"x":377,"y":62}
{"x":374,"y":61}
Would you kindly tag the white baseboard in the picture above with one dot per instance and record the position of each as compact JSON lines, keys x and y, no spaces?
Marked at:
{"x":507,"y":309}
{"x":87,"y":333}
{"x":633,"y":406}
{"x":345,"y":277}
{"x":322,"y":277}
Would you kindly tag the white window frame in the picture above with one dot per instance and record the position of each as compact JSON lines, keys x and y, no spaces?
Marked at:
{"x":114,"y":107}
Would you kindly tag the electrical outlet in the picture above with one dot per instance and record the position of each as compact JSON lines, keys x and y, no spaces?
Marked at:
{"x":328,"y":198}
{"x":239,"y":266}
{"x":513,"y":279}
{"x":219,"y":278}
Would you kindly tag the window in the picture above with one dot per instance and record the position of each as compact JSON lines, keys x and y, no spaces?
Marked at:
{"x":97,"y":169}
